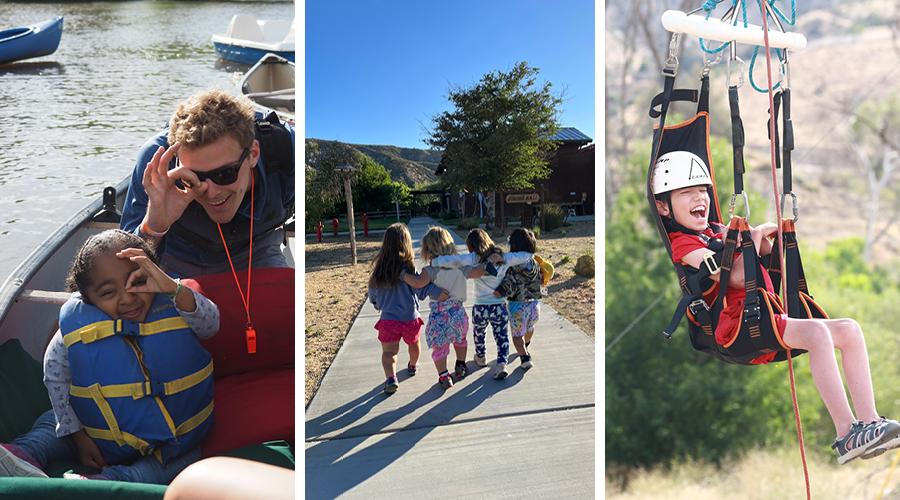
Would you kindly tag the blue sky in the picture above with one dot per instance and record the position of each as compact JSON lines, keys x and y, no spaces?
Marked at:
{"x":378,"y":70}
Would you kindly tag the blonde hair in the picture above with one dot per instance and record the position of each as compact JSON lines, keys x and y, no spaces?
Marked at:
{"x":210,"y":115}
{"x":436,"y":242}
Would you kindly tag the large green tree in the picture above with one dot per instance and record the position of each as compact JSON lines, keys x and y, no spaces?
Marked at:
{"x":496,"y":136}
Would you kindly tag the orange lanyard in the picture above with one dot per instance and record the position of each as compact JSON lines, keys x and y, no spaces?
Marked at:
{"x":250,"y":332}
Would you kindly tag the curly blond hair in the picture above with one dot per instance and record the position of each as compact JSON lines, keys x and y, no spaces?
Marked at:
{"x":207,"y":116}
{"x":436,"y":242}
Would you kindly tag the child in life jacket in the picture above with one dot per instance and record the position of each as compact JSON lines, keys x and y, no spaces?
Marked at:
{"x":130,"y":386}
{"x":398,"y":302}
{"x":488,"y":308}
{"x":522,"y":286}
{"x":447,"y":321}
{"x":680,"y":185}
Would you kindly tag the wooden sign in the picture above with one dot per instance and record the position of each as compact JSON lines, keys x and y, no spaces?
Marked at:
{"x":523,"y":198}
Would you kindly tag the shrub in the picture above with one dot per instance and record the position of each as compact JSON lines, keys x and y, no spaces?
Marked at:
{"x":554,"y":217}
{"x":584,"y":267}
{"x":537,"y":231}
{"x":564,"y":260}
{"x":468,"y":223}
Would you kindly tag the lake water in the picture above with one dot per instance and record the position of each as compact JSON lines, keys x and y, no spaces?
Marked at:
{"x":72,"y":122}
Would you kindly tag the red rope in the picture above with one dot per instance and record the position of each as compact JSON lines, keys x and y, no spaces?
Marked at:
{"x":799,"y":425}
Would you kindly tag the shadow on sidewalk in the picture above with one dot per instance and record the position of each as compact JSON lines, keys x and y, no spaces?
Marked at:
{"x":337,"y":472}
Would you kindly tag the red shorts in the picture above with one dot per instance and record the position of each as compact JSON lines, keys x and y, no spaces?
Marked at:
{"x":391,"y":330}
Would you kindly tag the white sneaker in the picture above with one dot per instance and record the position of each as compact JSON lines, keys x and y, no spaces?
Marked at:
{"x":13,"y":466}
{"x":500,"y":372}
{"x":480,"y":361}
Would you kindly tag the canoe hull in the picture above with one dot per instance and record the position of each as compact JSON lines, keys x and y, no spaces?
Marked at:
{"x":42,"y":39}
{"x":275,"y":76}
{"x":246,"y":55}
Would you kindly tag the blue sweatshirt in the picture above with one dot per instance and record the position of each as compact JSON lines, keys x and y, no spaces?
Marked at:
{"x":401,"y":301}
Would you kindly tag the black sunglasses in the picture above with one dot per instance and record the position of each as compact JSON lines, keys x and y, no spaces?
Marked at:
{"x":222,"y":176}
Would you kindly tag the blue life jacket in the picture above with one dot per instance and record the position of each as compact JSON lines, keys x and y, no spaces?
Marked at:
{"x":138,"y":388}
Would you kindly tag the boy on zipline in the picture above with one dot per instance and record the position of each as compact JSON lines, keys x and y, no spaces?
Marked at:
{"x":679,"y":184}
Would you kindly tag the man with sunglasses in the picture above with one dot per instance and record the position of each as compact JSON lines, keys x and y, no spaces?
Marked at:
{"x":199,"y":176}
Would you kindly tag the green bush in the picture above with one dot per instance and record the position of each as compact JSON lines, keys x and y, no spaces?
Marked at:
{"x":554,"y":217}
{"x":468,"y":223}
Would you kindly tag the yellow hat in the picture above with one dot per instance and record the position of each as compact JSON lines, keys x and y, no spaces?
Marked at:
{"x":546,"y":270}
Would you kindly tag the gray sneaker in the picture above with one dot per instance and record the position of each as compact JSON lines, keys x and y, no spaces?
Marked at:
{"x":480,"y":361}
{"x":859,"y":440}
{"x":500,"y":372}
{"x":890,"y":440}
{"x":13,"y":466}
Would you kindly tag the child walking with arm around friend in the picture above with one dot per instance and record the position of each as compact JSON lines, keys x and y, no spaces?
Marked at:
{"x":130,"y":386}
{"x":522,"y":286}
{"x":684,"y":204}
{"x":488,"y":308}
{"x":447,"y":321}
{"x":398,"y":302}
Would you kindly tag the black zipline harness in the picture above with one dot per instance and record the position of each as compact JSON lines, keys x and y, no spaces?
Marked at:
{"x":757,"y":332}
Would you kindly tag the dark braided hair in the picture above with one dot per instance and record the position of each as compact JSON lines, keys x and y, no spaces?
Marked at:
{"x":112,"y":240}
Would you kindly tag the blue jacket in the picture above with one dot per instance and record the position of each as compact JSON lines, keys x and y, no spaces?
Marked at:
{"x":401,"y":301}
{"x":138,"y":388}
{"x":193,"y":245}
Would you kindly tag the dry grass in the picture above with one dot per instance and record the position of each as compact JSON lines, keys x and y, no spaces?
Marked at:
{"x":570,"y":295}
{"x":335,"y":291}
{"x":764,"y":475}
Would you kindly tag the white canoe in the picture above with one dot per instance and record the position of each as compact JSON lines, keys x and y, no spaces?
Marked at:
{"x":270,"y":85}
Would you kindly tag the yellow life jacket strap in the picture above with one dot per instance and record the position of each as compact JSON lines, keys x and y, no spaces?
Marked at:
{"x":137,"y":390}
{"x":126,"y":438}
{"x":193,"y":422}
{"x":107,"y":328}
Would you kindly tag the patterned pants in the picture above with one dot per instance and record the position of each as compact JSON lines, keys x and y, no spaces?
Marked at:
{"x":498,"y":317}
{"x":447,"y":324}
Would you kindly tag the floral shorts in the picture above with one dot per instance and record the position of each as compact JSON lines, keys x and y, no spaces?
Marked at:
{"x":523,"y":316}
{"x":447,"y":323}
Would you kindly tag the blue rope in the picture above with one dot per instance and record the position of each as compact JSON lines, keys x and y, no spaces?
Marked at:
{"x":753,"y":62}
{"x":793,"y":20}
{"x":708,"y":6}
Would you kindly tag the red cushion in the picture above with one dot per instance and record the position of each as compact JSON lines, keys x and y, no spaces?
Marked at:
{"x":252,"y":408}
{"x":272,"y":312}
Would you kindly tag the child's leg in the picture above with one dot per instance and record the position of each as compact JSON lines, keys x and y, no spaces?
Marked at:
{"x":500,"y":326}
{"x":480,"y":316}
{"x":461,"y":349}
{"x":389,"y":352}
{"x":534,"y":315}
{"x":149,"y":470}
{"x":519,"y":343}
{"x":40,"y":446}
{"x":439,"y":355}
{"x":813,"y":336}
{"x":414,"y":352}
{"x":848,"y":338}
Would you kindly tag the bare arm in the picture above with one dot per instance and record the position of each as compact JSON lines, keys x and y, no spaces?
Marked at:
{"x":416,"y":280}
{"x":760,"y":236}
{"x":454,"y":261}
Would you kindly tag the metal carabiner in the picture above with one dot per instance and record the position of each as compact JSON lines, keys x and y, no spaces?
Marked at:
{"x":796,"y":208}
{"x":735,"y":58}
{"x":733,"y":202}
{"x":708,"y":64}
{"x":671,"y":65}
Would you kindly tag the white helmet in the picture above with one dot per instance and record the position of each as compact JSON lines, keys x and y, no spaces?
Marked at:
{"x":679,"y":169}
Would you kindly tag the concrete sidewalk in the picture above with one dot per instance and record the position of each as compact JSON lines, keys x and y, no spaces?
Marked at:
{"x":529,"y":436}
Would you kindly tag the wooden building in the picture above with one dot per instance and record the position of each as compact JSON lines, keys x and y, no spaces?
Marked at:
{"x":570,"y":185}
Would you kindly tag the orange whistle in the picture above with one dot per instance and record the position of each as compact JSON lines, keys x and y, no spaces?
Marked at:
{"x":251,"y":340}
